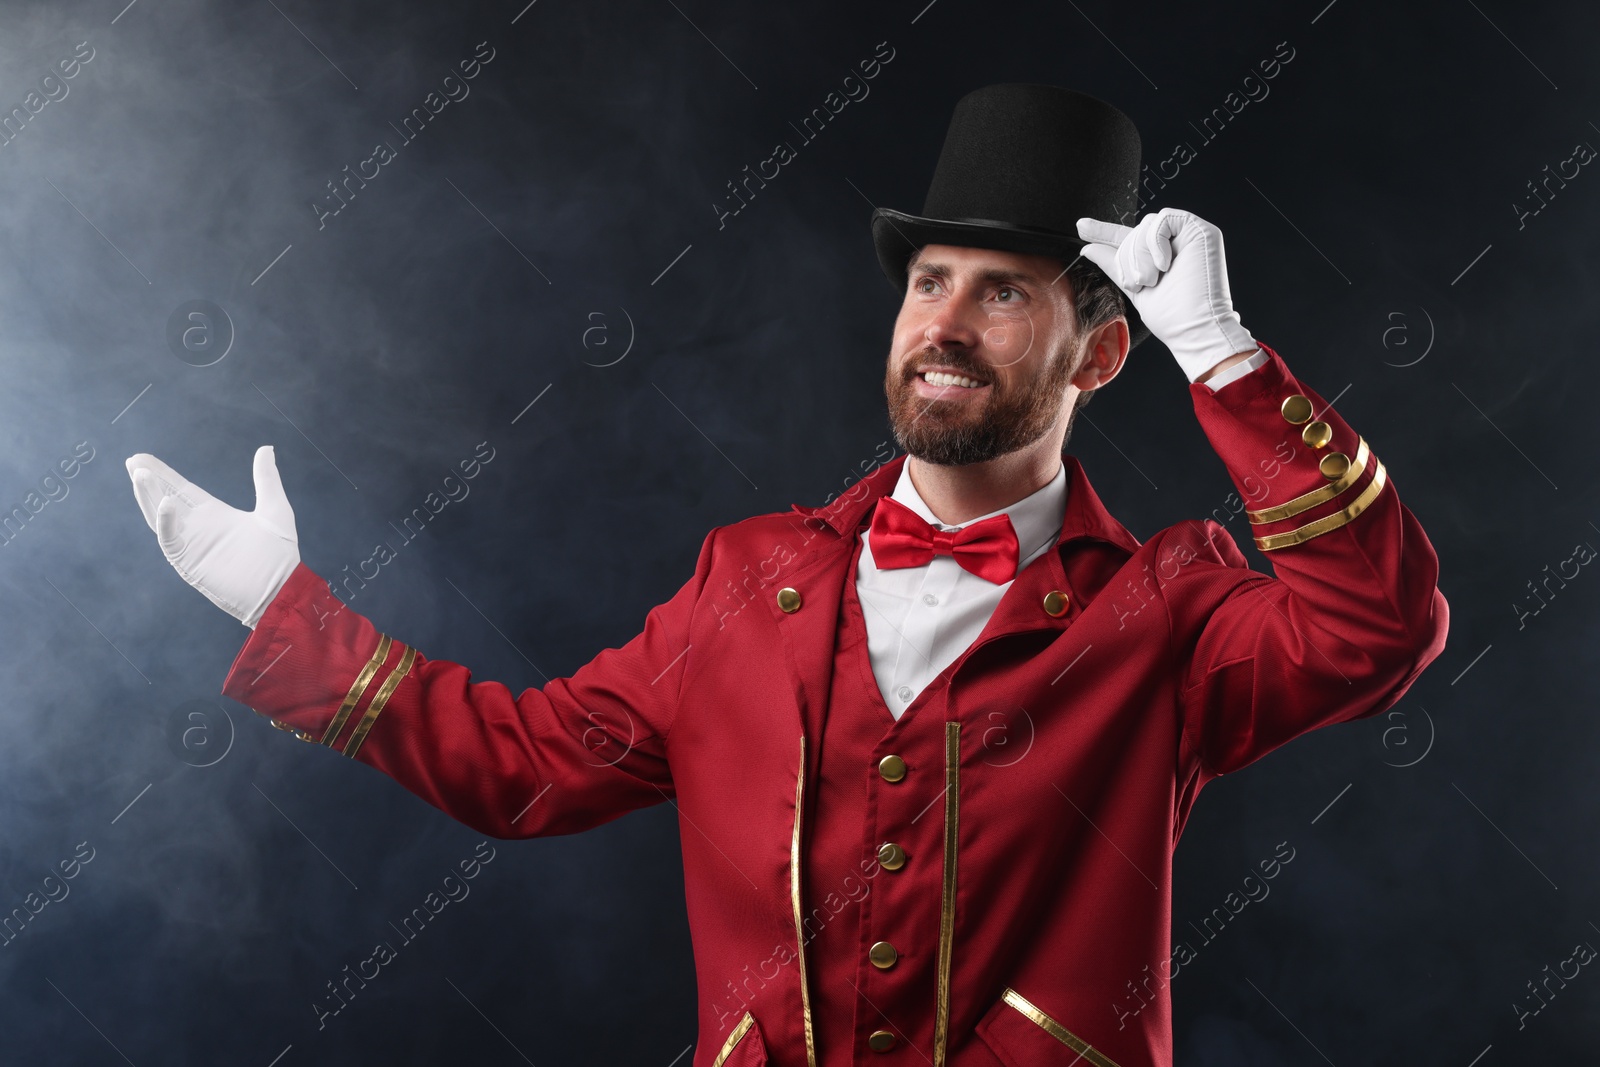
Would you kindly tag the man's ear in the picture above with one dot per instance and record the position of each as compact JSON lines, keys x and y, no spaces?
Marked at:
{"x":1105,"y":349}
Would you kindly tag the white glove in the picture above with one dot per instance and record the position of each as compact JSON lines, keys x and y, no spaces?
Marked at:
{"x":1191,"y":310}
{"x":238,"y":559}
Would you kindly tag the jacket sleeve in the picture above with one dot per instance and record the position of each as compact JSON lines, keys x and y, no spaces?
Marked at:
{"x":574,"y":754}
{"x":1354,"y":612}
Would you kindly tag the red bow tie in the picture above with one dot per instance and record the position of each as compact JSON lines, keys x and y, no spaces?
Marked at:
{"x":902,"y":538}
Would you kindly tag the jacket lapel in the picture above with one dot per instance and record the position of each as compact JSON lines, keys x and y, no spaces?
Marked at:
{"x":1086,"y":524}
{"x":818,"y":573}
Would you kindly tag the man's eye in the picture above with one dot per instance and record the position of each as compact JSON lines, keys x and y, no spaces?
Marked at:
{"x":1007,"y":289}
{"x":922,"y":285}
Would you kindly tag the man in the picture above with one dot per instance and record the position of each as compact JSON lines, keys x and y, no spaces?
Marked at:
{"x":931,"y":745}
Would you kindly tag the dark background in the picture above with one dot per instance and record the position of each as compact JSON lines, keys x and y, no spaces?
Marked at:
{"x":1443,"y":852}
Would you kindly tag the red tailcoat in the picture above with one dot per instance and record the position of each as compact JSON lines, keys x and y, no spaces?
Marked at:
{"x":1175,"y":663}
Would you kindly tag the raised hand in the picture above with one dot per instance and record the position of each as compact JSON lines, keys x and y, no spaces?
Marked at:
{"x":1171,"y":267}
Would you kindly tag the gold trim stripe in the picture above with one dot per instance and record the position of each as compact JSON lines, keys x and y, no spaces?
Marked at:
{"x":299,"y":733}
{"x":1291,"y":508}
{"x":357,"y":687}
{"x":390,"y":684}
{"x":1327,"y":523}
{"x":794,"y":898}
{"x":739,"y":1031}
{"x":1085,"y":1051}
{"x":947,"y":895}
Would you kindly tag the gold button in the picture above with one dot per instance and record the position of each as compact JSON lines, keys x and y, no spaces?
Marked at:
{"x":882,"y":955}
{"x":1317,"y":434}
{"x":1055,"y":603}
{"x":789,"y":600}
{"x":893,"y":768}
{"x":1333,"y":465}
{"x":891,"y":856}
{"x":1296,"y":409}
{"x":881,"y":1041}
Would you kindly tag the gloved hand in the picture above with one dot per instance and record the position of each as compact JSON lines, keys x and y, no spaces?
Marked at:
{"x":238,"y":559}
{"x":1191,"y":310}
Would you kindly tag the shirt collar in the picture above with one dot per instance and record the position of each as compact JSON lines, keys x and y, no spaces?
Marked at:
{"x":1086,"y":516}
{"x":1036,"y":518}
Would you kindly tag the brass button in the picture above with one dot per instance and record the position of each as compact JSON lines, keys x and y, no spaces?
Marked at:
{"x":1317,"y":434}
{"x":1334,"y":465}
{"x":789,"y":600}
{"x":1055,"y":603}
{"x":1296,"y":409}
{"x":893,"y":768}
{"x":881,"y":1041}
{"x":891,"y":857}
{"x":882,"y":955}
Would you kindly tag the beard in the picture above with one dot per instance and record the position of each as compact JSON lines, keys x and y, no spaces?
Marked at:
{"x":954,"y":433}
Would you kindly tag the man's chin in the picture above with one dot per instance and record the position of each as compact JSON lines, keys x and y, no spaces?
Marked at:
{"x":943,"y":450}
{"x":940,"y":458}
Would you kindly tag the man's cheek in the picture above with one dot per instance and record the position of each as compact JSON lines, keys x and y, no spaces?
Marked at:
{"x":1008,"y":337}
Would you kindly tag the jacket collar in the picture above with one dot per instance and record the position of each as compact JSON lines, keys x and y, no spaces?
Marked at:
{"x":820,"y":571}
{"x":1086,"y":516}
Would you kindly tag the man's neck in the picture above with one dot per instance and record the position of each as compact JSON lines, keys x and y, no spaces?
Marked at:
{"x":957,"y":494}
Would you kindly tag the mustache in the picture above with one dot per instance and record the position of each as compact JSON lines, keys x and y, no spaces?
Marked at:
{"x":932,"y":357}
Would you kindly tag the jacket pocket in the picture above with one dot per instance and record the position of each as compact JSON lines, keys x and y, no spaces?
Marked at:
{"x":1022,"y":1035}
{"x":744,"y":1046}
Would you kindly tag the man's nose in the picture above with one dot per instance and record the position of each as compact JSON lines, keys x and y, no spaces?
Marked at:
{"x":954,"y":325}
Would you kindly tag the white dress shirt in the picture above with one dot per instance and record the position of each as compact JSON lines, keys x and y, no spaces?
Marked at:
{"x":919,"y":619}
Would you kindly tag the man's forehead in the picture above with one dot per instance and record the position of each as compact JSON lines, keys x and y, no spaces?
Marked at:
{"x":964,"y":259}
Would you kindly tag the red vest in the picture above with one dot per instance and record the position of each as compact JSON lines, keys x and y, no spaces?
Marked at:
{"x":854,"y":899}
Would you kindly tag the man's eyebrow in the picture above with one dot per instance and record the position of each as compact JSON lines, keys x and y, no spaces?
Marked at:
{"x":992,"y":274}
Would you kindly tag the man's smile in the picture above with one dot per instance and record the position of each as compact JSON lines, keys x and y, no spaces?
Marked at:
{"x":944,"y":384}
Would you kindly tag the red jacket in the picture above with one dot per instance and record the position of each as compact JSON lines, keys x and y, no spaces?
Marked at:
{"x":1180,"y":664}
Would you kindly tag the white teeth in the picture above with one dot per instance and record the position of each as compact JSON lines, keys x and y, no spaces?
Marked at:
{"x":934,"y":377}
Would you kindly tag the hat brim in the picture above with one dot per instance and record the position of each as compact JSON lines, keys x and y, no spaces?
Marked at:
{"x":896,"y":236}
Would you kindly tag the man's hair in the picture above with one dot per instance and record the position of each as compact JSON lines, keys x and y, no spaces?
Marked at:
{"x":1096,"y":299}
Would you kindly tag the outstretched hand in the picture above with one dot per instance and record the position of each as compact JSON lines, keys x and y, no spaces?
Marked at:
{"x":238,"y":559}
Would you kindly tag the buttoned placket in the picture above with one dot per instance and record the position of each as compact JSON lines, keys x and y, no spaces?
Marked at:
{"x":924,"y":614}
{"x":927,"y":615}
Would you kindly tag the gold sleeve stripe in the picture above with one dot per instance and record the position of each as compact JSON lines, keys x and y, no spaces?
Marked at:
{"x":1327,"y":523}
{"x":390,"y":684}
{"x":1086,"y":1052}
{"x":1310,"y":500}
{"x":739,"y":1031}
{"x":358,"y":687}
{"x":947,"y":896}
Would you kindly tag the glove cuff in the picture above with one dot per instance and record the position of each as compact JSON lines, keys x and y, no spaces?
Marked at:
{"x":1222,"y":337}
{"x":286,"y":568}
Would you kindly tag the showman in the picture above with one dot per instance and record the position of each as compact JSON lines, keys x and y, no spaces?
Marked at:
{"x":870,"y":877}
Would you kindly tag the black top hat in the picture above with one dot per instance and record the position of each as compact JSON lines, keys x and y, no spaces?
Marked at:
{"x":1020,"y":165}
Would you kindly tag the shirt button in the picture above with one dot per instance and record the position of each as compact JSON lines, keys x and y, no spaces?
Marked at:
{"x":892,"y":768}
{"x":929,"y":599}
{"x":904,"y":692}
{"x":891,"y":856}
{"x":881,"y":1041}
{"x":883,"y":955}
